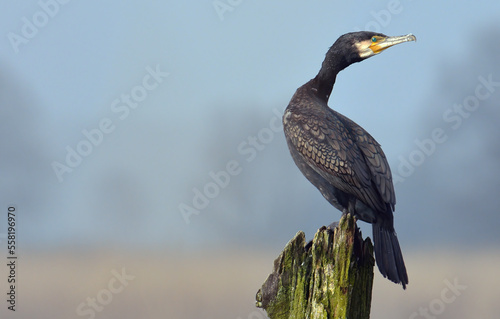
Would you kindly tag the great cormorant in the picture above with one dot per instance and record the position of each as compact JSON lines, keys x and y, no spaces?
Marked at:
{"x":339,"y":157}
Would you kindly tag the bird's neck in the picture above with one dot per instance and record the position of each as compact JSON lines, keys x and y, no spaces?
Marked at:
{"x":322,"y":88}
{"x":324,"y":81}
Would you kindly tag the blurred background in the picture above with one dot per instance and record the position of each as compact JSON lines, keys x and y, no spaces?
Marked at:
{"x":141,"y":145}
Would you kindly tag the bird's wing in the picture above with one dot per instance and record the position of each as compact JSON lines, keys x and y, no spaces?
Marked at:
{"x":375,"y":158}
{"x":331,"y":148}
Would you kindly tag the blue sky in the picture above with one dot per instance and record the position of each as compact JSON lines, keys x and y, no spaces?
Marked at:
{"x":229,"y":74}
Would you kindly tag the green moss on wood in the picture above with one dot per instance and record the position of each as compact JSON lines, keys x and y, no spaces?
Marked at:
{"x":331,"y":277}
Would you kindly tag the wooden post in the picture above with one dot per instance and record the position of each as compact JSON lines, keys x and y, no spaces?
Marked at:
{"x":330,"y":277}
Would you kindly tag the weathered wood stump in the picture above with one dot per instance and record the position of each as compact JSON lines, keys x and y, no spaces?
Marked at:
{"x":329,"y":277}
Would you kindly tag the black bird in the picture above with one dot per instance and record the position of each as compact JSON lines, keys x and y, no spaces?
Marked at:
{"x":339,"y":157}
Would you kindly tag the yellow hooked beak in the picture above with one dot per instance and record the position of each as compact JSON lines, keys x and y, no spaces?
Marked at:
{"x":379,"y":44}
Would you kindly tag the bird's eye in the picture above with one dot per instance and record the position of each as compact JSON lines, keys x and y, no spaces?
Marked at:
{"x":374,"y":39}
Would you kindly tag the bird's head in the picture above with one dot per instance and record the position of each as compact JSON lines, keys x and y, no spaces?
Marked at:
{"x":357,"y":46}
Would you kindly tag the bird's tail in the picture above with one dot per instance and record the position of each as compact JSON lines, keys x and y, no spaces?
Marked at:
{"x":388,"y":254}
